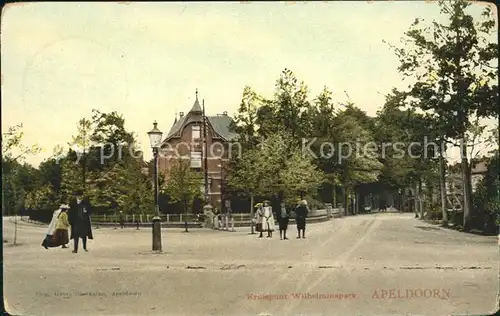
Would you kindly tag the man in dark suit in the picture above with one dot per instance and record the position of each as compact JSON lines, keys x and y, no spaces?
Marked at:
{"x":283,"y":219}
{"x":79,"y":219}
{"x":301,"y":212}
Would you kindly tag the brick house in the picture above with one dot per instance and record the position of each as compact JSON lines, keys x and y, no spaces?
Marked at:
{"x":185,"y":140}
{"x":454,"y":176}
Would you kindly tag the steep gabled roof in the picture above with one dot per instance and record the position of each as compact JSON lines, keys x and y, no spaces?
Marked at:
{"x":177,"y":126}
{"x":196,"y":107}
{"x":221,"y":125}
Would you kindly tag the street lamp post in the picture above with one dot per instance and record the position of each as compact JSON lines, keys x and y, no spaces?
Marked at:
{"x":155,"y":139}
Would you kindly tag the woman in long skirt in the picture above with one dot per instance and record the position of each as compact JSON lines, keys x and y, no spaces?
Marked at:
{"x":258,"y":218}
{"x":268,"y":220}
{"x":61,"y":235}
{"x":47,"y":242}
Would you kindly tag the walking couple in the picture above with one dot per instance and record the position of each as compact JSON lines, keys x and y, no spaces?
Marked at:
{"x":301,"y":210}
{"x":77,"y":216}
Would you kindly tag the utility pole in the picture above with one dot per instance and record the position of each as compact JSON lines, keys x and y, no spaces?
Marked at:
{"x":205,"y":149}
{"x":221,"y":184}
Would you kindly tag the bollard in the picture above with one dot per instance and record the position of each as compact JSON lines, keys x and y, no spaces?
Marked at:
{"x":157,"y":234}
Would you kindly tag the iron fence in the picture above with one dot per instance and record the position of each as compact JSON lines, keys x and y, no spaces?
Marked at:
{"x":165,"y":218}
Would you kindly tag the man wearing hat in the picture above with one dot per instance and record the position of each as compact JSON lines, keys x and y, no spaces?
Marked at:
{"x":283,"y":219}
{"x":79,"y":218}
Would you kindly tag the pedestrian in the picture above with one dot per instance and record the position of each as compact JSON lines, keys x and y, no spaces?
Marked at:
{"x":259,"y":214}
{"x":122,"y":220}
{"x":79,"y":218}
{"x":301,"y":212}
{"x":284,"y":217}
{"x":62,"y":226}
{"x":268,"y":219}
{"x":47,"y":242}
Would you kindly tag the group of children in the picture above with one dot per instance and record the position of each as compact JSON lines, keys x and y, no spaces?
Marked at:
{"x":264,"y":219}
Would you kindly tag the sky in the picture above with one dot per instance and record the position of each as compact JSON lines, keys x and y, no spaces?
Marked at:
{"x":146,"y":60}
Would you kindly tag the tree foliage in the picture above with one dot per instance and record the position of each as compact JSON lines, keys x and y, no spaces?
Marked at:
{"x":184,"y":184}
{"x":454,"y":67}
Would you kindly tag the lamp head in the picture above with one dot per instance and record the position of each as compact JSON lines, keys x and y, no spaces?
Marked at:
{"x":155,"y":136}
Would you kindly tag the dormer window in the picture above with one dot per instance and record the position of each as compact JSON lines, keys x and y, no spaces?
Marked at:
{"x":196,"y":132}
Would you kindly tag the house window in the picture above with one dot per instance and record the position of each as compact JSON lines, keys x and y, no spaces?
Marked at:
{"x":196,"y":159}
{"x":196,"y":132}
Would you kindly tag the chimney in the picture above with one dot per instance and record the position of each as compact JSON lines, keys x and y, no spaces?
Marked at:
{"x":224,"y":113}
{"x":181,"y":114}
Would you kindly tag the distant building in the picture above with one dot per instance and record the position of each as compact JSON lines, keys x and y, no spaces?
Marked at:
{"x":454,"y":177}
{"x":185,"y":140}
{"x":477,"y":173}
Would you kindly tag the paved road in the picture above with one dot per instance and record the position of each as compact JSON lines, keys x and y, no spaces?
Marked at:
{"x":381,"y":264}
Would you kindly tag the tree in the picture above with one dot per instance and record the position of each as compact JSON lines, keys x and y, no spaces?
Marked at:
{"x":123,"y":187}
{"x":354,"y":167}
{"x":13,"y":152}
{"x":246,"y":175}
{"x":102,"y":162}
{"x":400,"y":124}
{"x":290,"y":104}
{"x":287,"y":171}
{"x":486,"y":199}
{"x":81,"y":144}
{"x":244,"y":122}
{"x":44,"y":198}
{"x":183,"y":184}
{"x":287,"y":111}
{"x":455,"y":72}
{"x":323,"y":128}
{"x":300,"y":176}
{"x":116,"y":180}
{"x":12,"y":147}
{"x":71,"y":175}
{"x":47,"y":184}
